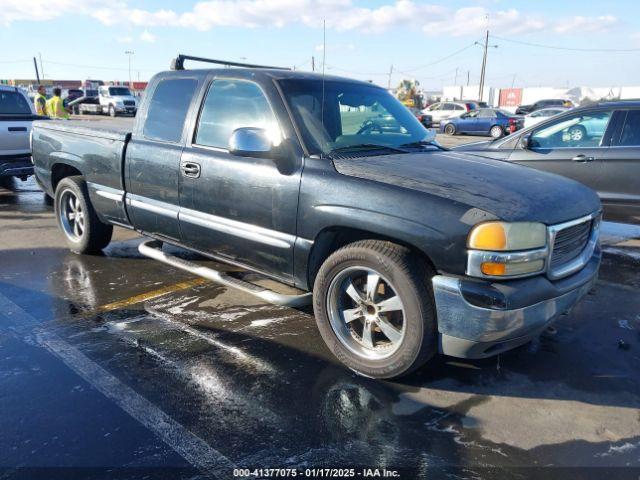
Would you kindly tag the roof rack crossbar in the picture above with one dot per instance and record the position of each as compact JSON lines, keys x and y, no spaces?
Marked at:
{"x":178,"y":63}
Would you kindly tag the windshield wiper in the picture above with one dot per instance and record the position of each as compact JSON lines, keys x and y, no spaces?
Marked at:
{"x":366,"y":146}
{"x":424,"y":143}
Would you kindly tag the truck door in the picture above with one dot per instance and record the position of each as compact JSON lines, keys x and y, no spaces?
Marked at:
{"x":239,"y":208}
{"x":153,"y":158}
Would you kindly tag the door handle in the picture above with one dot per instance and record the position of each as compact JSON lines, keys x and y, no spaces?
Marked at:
{"x":190,"y":169}
{"x":583,"y":158}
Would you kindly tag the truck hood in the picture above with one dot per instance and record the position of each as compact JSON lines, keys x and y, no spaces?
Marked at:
{"x":510,"y":192}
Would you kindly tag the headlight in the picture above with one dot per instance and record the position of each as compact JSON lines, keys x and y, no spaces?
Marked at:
{"x":505,"y":237}
{"x":503,"y":250}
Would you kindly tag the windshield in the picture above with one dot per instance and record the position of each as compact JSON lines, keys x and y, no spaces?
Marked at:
{"x":13,"y":103}
{"x":354,"y":115}
{"x":119,"y":91}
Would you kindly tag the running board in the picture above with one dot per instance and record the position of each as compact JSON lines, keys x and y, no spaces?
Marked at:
{"x":153,"y":249}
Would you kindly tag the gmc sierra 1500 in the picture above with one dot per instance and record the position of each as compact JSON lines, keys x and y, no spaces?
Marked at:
{"x":331,"y":185}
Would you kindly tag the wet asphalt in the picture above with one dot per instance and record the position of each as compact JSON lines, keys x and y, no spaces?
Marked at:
{"x":116,"y":366}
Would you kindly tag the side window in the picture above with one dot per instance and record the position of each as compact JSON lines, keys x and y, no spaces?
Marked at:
{"x":485,"y":113}
{"x":579,"y":130}
{"x":435,"y":107}
{"x":630,"y":136}
{"x":458,"y":107}
{"x":232,"y":104}
{"x":168,"y":109}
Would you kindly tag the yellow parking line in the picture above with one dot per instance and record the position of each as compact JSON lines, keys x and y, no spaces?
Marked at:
{"x":149,"y":295}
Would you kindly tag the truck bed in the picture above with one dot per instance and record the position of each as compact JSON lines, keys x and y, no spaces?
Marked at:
{"x":93,"y":149}
{"x":107,"y":129}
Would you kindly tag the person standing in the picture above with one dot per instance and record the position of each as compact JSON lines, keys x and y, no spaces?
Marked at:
{"x":55,"y":107}
{"x":40,"y":101}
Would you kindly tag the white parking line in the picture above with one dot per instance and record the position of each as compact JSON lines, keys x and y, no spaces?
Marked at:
{"x":191,"y":447}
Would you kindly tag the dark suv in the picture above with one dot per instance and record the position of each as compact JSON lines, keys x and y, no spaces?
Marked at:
{"x":598,"y":145}
{"x":540,"y":104}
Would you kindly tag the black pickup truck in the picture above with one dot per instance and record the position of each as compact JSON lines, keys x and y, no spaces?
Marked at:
{"x":330,"y":185}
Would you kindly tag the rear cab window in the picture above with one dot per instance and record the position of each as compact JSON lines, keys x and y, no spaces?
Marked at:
{"x":168,"y":109}
{"x":13,"y":103}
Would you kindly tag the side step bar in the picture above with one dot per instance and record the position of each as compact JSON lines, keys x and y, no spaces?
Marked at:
{"x":153,"y":249}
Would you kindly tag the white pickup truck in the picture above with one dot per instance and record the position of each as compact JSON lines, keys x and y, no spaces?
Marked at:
{"x":112,"y":100}
{"x":16,"y":114}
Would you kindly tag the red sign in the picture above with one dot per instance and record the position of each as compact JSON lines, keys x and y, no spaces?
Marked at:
{"x":510,"y":97}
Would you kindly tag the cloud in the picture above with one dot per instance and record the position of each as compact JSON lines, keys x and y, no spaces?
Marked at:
{"x":580,"y":24}
{"x":340,"y":15}
{"x":336,"y":47}
{"x":127,"y":39}
{"x":147,"y":36}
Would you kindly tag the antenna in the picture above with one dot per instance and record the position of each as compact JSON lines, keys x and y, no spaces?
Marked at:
{"x":324,"y":56}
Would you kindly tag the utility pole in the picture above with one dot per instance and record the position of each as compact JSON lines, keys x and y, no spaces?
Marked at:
{"x":513,"y":80}
{"x":35,"y":64}
{"x":129,"y":53}
{"x":313,"y":63}
{"x":389,"y":82}
{"x":484,"y":65}
{"x":484,"y":59}
{"x":41,"y":67}
{"x":455,"y":81}
{"x":468,"y":73}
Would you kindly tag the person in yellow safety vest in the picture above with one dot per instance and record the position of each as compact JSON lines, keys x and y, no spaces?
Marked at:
{"x":40,"y":101}
{"x":55,"y":107}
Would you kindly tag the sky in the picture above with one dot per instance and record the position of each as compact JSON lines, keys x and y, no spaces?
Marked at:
{"x":532,"y":43}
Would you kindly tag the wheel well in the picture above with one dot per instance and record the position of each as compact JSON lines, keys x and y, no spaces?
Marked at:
{"x":60,"y":171}
{"x":333,"y":238}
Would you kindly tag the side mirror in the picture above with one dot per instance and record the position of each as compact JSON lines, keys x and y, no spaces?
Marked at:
{"x":525,"y":142}
{"x":251,"y":142}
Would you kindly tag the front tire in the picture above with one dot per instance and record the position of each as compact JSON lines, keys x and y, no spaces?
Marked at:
{"x":112,"y":111}
{"x":83,"y":230}
{"x":450,"y":129}
{"x":375,"y":310}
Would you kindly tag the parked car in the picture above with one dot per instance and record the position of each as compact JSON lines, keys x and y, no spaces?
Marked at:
{"x":445,"y":110}
{"x":474,"y":105}
{"x":485,"y":121}
{"x":540,"y":104}
{"x":598,"y":145}
{"x":538,"y":116}
{"x":16,"y":115}
{"x":409,"y":249}
{"x":425,"y":120}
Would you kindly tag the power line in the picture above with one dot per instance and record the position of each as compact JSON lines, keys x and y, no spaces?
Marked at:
{"x":409,"y":70}
{"x":571,"y":49}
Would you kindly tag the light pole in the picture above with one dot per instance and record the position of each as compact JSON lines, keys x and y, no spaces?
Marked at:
{"x":130,"y":54}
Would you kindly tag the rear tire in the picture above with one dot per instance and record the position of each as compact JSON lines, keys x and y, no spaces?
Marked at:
{"x":496,"y":131}
{"x":374,"y":308}
{"x":450,"y":129}
{"x":83,"y":230}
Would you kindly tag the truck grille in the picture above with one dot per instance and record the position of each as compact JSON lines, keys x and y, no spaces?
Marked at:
{"x":129,"y":103}
{"x":569,"y":243}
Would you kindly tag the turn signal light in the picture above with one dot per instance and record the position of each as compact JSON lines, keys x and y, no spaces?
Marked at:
{"x":489,"y":268}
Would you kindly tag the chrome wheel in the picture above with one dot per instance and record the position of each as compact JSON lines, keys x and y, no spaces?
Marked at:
{"x":366,"y":313}
{"x":72,"y":216}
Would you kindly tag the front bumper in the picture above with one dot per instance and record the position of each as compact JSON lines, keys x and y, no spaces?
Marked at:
{"x":16,"y":166}
{"x":478,"y":319}
{"x":126,"y":109}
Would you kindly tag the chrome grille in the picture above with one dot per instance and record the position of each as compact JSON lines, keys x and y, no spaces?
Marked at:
{"x":569,"y":243}
{"x":129,"y":103}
